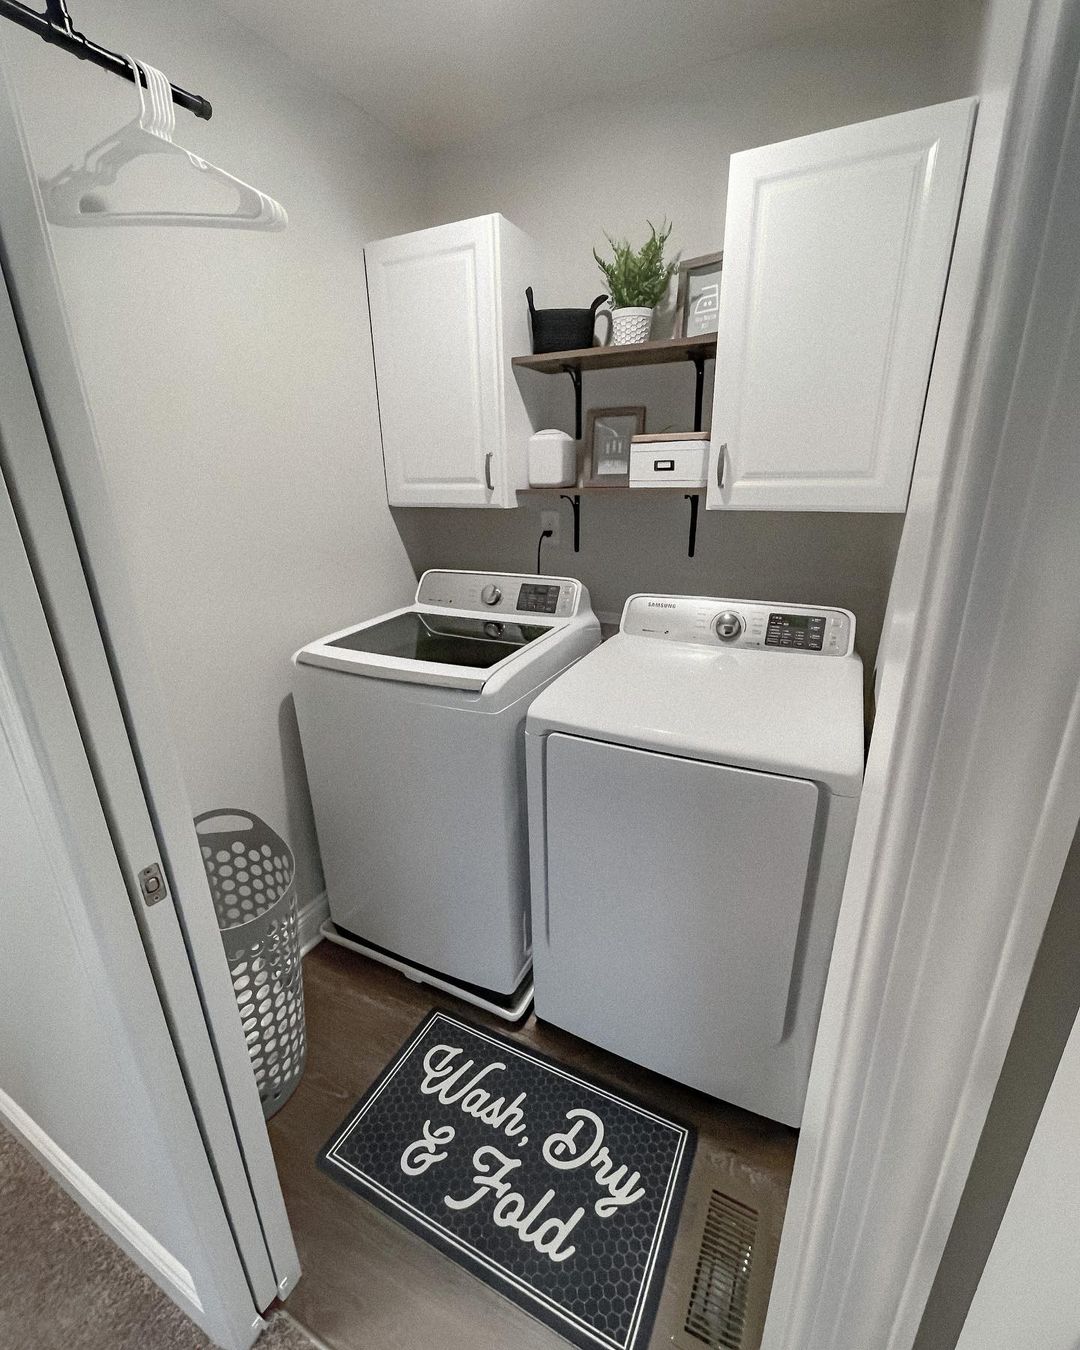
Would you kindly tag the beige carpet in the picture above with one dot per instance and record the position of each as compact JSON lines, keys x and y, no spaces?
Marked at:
{"x":65,"y":1286}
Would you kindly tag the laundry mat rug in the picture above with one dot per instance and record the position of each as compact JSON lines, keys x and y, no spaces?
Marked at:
{"x":559,"y":1193}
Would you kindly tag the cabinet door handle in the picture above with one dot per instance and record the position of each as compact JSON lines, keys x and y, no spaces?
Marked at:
{"x":721,"y":455}
{"x":487,"y":471}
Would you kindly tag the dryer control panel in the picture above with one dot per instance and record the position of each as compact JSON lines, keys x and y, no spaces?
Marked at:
{"x":739,"y":624}
{"x":501,"y":593}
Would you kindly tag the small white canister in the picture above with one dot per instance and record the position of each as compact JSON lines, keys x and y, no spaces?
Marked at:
{"x":552,"y":459}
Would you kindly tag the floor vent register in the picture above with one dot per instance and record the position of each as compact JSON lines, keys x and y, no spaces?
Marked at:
{"x":716,"y":1316}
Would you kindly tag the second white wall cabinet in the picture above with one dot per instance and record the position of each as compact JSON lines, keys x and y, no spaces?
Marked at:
{"x":836,"y":255}
{"x":448,"y":312}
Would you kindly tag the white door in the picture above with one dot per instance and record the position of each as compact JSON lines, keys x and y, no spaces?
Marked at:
{"x":836,"y":254}
{"x":674,"y":899}
{"x":140,"y":808}
{"x":433,"y":300}
{"x":90,"y":1078}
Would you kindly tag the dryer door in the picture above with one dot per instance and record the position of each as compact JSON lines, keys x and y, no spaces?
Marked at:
{"x":674,"y":901}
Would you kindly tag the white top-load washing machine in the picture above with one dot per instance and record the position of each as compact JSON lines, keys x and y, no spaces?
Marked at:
{"x":412,"y":729}
{"x":693,"y":785}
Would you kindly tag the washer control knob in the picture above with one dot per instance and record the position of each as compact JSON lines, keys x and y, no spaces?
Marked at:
{"x":728,"y":625}
{"x":491,"y":595}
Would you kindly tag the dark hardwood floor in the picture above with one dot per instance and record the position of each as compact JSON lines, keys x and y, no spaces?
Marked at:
{"x":367,"y":1283}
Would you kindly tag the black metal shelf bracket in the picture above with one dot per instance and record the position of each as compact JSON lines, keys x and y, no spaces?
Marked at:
{"x":575,"y":504}
{"x":693,"y":499}
{"x":575,"y":375}
{"x":699,"y":359}
{"x":56,"y":26}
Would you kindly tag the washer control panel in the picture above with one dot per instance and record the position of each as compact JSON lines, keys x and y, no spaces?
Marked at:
{"x":739,"y":624}
{"x":536,"y":597}
{"x":500,"y":593}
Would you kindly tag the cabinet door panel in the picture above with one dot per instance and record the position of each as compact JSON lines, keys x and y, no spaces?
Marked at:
{"x":836,"y":254}
{"x":433,"y":313}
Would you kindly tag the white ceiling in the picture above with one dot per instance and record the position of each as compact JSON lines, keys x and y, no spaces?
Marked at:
{"x":439,"y":72}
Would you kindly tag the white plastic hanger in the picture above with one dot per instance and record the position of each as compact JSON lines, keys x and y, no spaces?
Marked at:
{"x":76,"y":195}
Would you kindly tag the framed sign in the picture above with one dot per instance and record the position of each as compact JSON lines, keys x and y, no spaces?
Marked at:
{"x":608,"y":433}
{"x":698,"y":305}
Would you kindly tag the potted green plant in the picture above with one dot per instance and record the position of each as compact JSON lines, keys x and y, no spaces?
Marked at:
{"x":637,"y":280}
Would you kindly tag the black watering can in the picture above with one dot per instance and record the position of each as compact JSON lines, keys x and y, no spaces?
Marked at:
{"x":561,"y":330}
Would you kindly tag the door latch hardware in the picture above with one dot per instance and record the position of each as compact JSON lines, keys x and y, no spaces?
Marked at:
{"x":152,"y":884}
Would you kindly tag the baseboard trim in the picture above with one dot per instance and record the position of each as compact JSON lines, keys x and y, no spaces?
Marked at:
{"x":140,"y":1245}
{"x":312,"y":915}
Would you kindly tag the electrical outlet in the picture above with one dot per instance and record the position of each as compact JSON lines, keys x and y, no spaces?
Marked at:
{"x":549,"y":520}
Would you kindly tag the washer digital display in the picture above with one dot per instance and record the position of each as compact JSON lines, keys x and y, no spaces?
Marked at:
{"x":534,"y":598}
{"x":802,"y":632}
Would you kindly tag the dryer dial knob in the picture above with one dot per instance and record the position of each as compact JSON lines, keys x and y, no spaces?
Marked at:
{"x":491,"y":595}
{"x":728,"y":625}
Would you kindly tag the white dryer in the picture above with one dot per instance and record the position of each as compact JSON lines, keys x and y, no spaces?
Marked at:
{"x":693,"y":785}
{"x":412,"y":728}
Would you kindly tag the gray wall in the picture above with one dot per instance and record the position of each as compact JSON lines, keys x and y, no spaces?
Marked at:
{"x":660,"y":150}
{"x":230,"y":377}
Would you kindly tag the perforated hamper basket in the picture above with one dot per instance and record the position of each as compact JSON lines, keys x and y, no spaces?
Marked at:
{"x":252,"y":879}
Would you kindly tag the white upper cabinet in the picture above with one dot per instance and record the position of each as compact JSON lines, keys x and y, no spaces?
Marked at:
{"x":836,"y":254}
{"x":448,"y":312}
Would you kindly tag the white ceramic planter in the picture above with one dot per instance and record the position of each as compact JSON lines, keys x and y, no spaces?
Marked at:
{"x":631,"y":324}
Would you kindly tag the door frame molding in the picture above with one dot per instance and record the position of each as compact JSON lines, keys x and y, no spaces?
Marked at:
{"x":977,"y":742}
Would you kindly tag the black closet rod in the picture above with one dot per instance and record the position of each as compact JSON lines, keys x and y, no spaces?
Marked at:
{"x":55,"y":26}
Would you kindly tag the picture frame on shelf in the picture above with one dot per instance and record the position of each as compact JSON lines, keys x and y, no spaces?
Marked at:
{"x":697,"y":308}
{"x":608,"y":433}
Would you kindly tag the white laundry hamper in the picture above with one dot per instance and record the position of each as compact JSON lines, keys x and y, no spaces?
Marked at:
{"x":252,"y":879}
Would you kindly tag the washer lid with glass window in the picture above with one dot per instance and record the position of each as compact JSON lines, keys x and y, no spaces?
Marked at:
{"x":464,"y":628}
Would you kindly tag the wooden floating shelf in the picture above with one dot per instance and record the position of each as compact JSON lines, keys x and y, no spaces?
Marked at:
{"x":611,"y":358}
{"x":697,"y":350}
{"x":615,"y":487}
